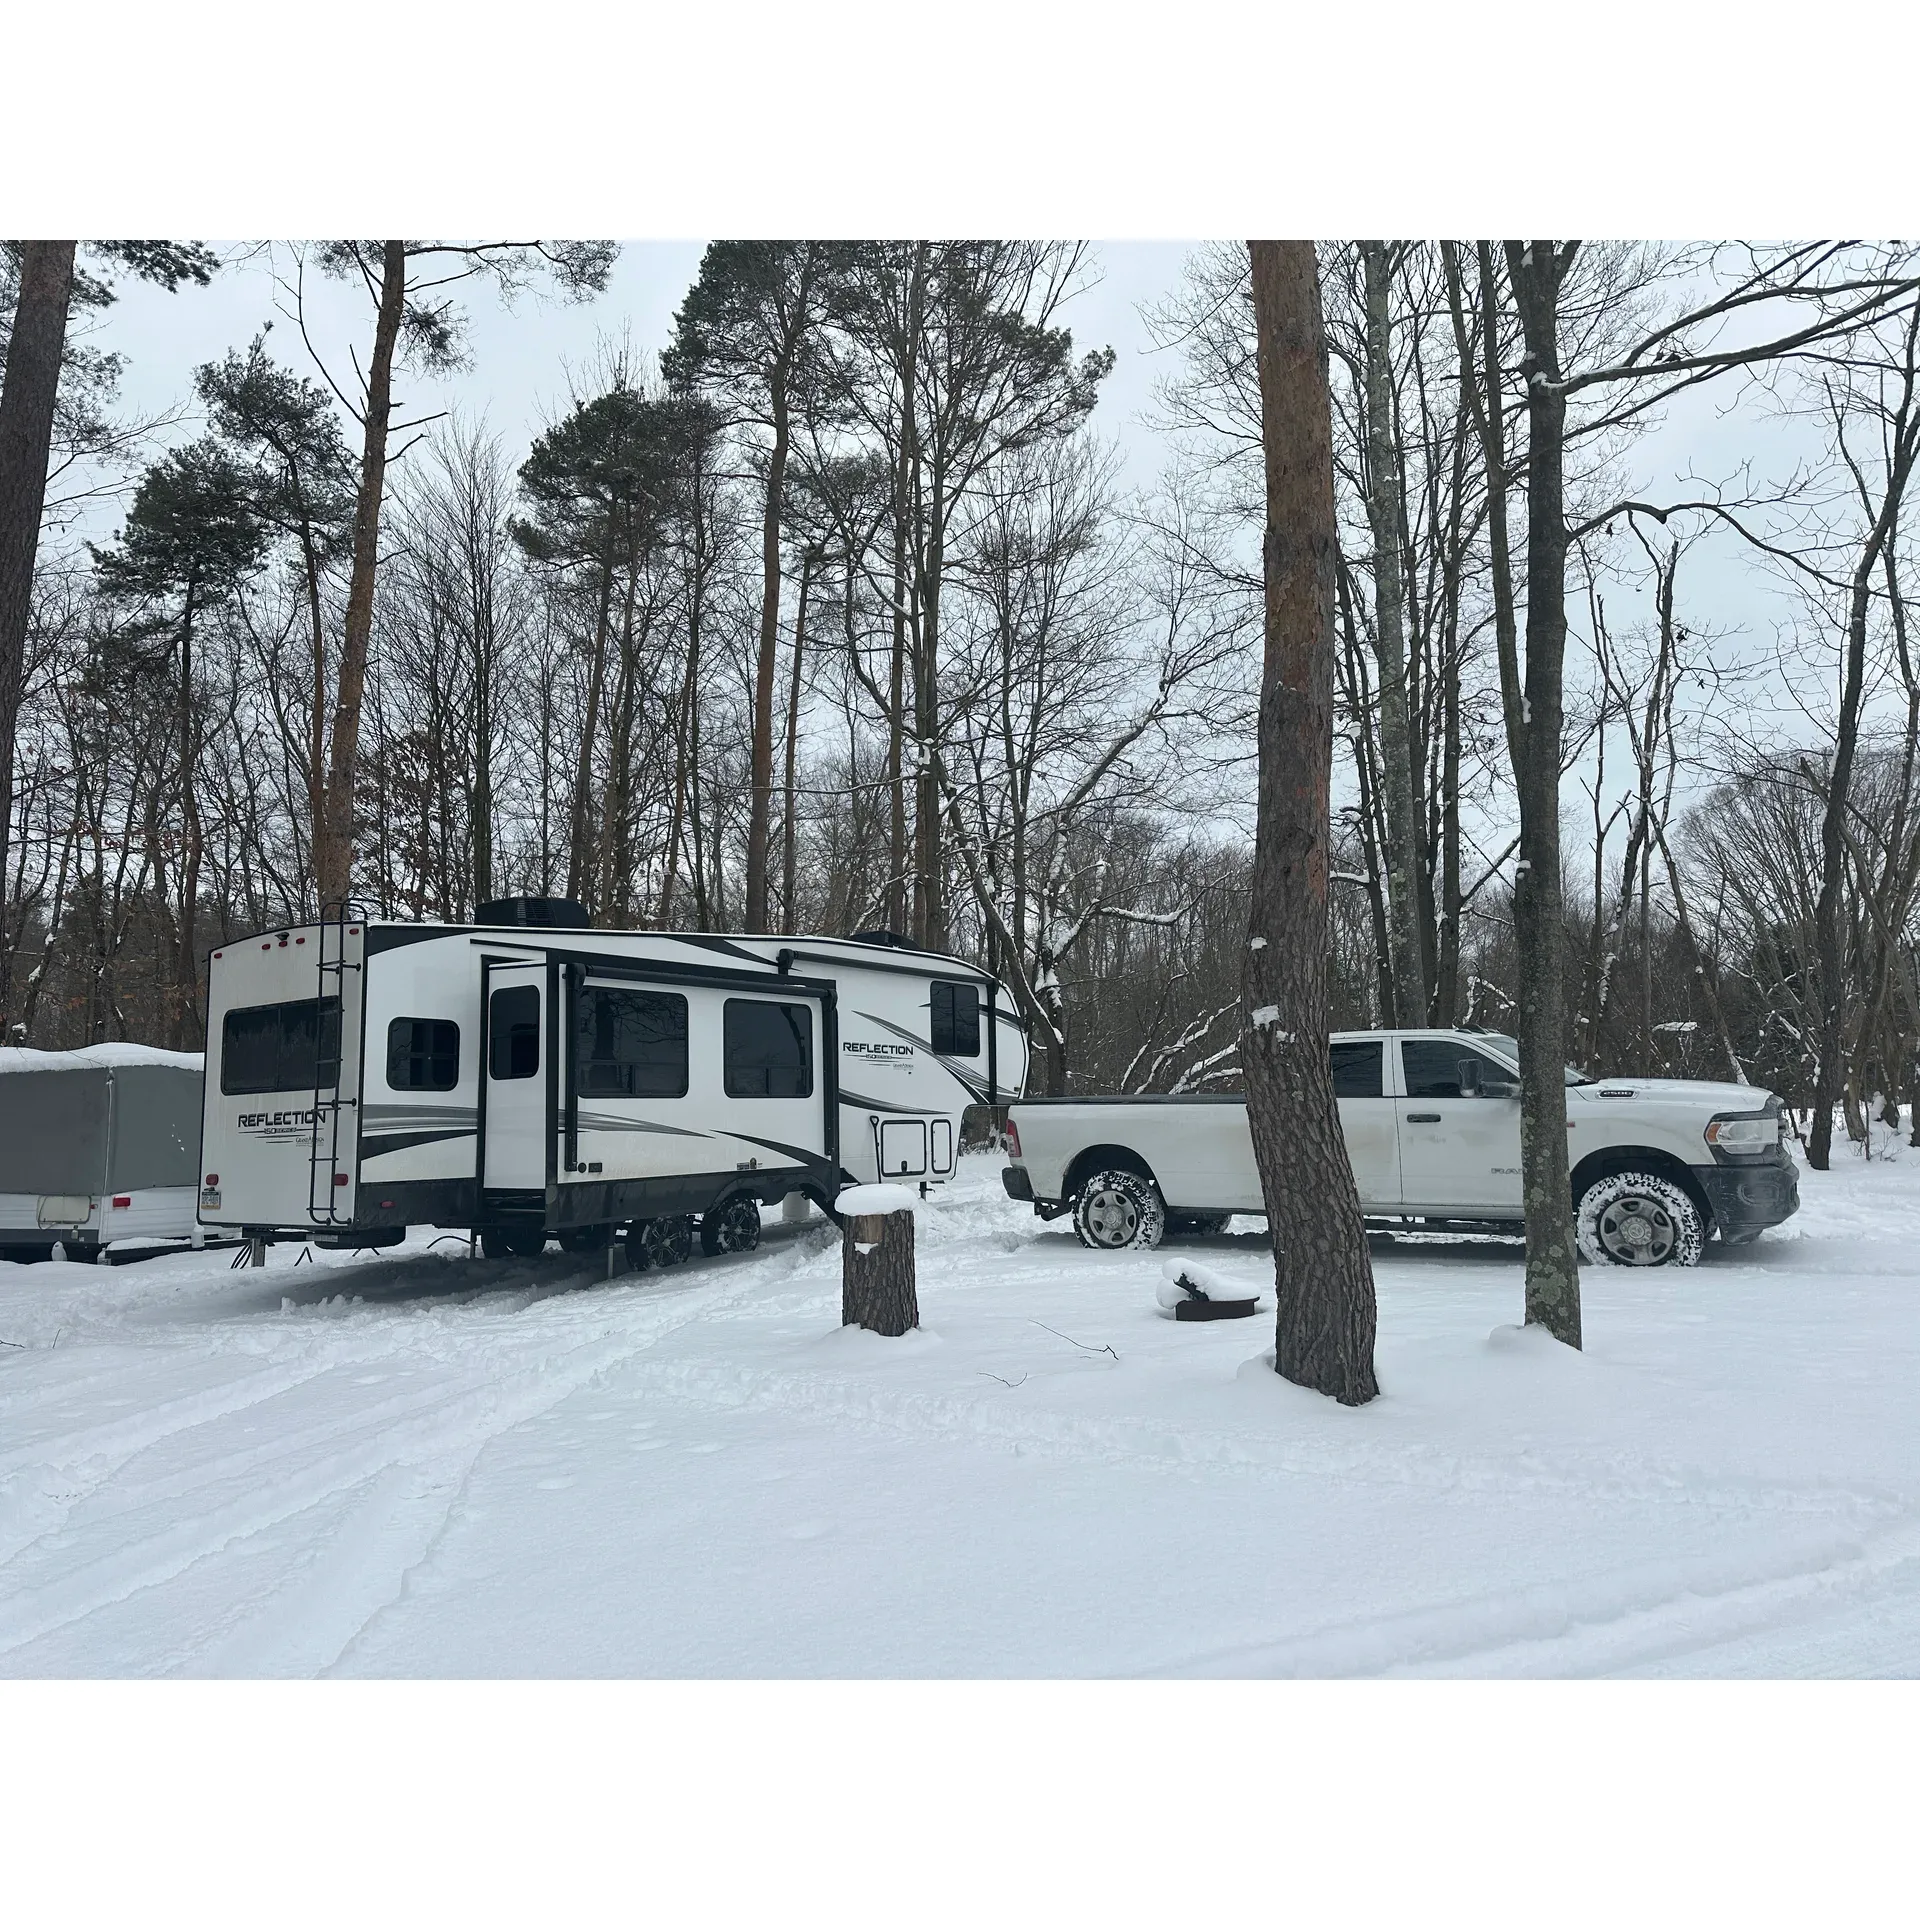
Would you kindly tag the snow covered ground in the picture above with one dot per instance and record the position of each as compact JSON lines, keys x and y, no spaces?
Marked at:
{"x":401,"y":1464}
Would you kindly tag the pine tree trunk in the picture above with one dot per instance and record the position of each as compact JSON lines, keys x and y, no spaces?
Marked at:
{"x":26,"y":439}
{"x":1324,"y":1303}
{"x":186,"y":1023}
{"x":789,"y":843}
{"x":1553,"y":1271}
{"x":1390,"y":645}
{"x":876,"y":1274}
{"x":333,"y":851}
{"x":760,"y":811}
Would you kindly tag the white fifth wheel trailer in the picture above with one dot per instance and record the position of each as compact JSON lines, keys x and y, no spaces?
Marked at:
{"x":533,"y":1076}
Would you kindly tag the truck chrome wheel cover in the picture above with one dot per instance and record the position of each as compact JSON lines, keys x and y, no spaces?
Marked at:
{"x":1637,"y":1230}
{"x":1112,"y":1218}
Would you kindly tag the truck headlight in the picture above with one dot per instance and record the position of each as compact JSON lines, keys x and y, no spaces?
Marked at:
{"x":1744,"y":1133}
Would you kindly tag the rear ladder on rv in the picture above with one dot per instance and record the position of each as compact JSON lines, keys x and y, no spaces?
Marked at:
{"x":323,"y":1150}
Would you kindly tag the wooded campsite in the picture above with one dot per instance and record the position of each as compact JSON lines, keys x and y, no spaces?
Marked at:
{"x":837,"y":608}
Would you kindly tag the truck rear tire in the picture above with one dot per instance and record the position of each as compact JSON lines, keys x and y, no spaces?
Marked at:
{"x":1115,"y":1211}
{"x":1638,"y":1219}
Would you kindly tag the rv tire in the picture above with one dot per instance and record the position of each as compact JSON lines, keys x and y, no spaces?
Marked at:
{"x":664,"y":1242}
{"x":513,"y":1243}
{"x":731,"y":1227}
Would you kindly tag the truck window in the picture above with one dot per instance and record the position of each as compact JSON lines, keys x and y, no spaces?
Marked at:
{"x":1357,"y":1070}
{"x":1432,"y":1067}
{"x":291,"y":1047}
{"x":630,"y":1045}
{"x":513,"y":1034}
{"x":769,"y":1050}
{"x":423,"y":1055}
{"x":954,"y":1006}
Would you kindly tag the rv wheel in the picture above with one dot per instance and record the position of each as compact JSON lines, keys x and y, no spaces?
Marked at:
{"x":513,"y":1243}
{"x":587,"y":1239}
{"x":731,"y":1227}
{"x":662,"y":1243}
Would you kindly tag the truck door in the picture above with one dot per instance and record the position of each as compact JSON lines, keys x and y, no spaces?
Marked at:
{"x":1459,"y":1154}
{"x":1368,"y":1120}
{"x":515,"y":1128}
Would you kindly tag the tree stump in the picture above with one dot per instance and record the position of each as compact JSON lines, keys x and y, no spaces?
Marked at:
{"x":876,"y":1272}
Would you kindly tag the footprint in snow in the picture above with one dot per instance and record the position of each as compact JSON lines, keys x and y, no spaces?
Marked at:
{"x":708,"y":1446}
{"x":558,"y":1484}
{"x":809,"y":1530}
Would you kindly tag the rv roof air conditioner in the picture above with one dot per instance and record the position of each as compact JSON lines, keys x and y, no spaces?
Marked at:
{"x":530,"y":910}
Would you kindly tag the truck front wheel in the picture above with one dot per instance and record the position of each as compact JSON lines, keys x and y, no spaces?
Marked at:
{"x":1639,"y":1220}
{"x":1115,"y":1210}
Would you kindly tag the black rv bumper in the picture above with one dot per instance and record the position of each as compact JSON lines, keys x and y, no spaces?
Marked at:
{"x":1747,"y":1199}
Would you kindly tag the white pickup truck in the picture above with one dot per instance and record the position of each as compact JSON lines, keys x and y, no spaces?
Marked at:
{"x":1432,"y":1121}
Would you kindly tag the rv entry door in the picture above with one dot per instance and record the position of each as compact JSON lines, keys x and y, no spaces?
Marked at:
{"x":515,"y":1150}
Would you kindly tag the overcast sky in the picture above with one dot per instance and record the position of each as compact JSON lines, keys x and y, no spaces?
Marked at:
{"x":519,"y":356}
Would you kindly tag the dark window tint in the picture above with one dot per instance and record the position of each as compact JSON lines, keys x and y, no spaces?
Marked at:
{"x":769,"y":1050}
{"x":955,"y":1007}
{"x":628,"y":1045}
{"x":423,"y":1055}
{"x":1356,"y":1070}
{"x":1432,"y":1067}
{"x":290,"y":1048}
{"x":513,"y":1034}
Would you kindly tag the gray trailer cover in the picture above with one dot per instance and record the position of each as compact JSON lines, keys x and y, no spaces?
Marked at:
{"x":53,"y":1130}
{"x":105,"y":1127}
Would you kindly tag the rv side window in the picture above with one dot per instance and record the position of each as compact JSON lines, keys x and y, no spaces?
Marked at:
{"x":513,"y":1034}
{"x":293,"y":1047}
{"x":629,"y":1045}
{"x":769,"y":1049}
{"x":955,"y":1006}
{"x":423,"y":1055}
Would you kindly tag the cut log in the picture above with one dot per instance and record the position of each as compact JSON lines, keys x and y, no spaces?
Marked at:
{"x":876,"y":1273}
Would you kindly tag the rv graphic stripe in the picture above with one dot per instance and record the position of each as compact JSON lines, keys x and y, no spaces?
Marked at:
{"x":621,"y":1123}
{"x":975,"y":1085}
{"x":390,"y":1142}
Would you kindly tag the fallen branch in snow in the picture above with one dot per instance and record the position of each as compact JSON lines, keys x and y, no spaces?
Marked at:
{"x":1069,"y":1339}
{"x":1002,"y":1378}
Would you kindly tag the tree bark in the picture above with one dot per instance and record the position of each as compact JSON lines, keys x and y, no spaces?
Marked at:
{"x":186,"y":968}
{"x":1324,"y":1298}
{"x":26,"y":439}
{"x":1536,"y":270}
{"x":1390,"y":647}
{"x":876,"y":1274}
{"x":761,"y":808}
{"x":333,"y":852}
{"x":789,"y":844}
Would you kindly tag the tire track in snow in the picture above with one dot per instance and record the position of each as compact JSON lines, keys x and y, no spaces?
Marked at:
{"x":429,"y":1451}
{"x":1558,"y":1630}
